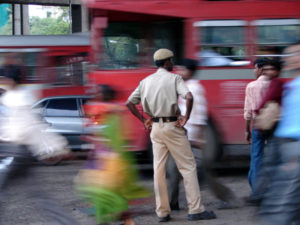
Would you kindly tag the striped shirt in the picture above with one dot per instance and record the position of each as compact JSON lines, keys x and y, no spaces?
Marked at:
{"x":255,"y":92}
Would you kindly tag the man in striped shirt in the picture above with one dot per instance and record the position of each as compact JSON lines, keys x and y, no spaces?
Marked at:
{"x":255,"y":92}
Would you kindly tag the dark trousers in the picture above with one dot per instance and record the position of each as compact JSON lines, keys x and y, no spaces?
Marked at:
{"x":204,"y":173}
{"x":15,"y":169}
{"x":281,"y":199}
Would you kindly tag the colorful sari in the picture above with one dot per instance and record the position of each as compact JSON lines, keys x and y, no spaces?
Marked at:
{"x":109,"y":180}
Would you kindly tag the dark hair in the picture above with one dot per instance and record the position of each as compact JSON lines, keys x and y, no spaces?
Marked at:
{"x":108,"y":92}
{"x":190,"y":64}
{"x":276,"y":63}
{"x":16,"y":79}
{"x":2,"y":91}
{"x":160,"y":63}
{"x":260,"y":62}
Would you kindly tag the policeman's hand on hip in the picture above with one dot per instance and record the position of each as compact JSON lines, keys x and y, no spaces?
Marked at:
{"x":148,"y":124}
{"x":181,"y":121}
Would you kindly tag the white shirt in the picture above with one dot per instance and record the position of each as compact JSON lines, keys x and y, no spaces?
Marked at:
{"x":21,"y":126}
{"x":211,"y":58}
{"x":199,"y":112}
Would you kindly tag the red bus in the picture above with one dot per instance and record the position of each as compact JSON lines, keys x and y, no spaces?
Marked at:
{"x":225,"y":36}
{"x":56,"y":60}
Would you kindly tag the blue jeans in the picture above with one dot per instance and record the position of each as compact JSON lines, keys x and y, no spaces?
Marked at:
{"x":257,"y":147}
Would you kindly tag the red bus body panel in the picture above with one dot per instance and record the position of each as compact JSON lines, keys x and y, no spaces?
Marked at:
{"x":225,"y":96}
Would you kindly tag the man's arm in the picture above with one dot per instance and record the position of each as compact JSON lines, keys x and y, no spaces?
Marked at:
{"x":248,"y":114}
{"x":248,"y":132}
{"x":135,"y":111}
{"x":132,"y":107}
{"x":189,"y":106}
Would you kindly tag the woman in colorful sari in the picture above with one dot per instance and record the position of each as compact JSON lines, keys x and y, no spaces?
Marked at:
{"x":109,"y":181}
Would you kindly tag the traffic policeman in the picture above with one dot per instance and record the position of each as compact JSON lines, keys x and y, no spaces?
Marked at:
{"x":158,"y":94}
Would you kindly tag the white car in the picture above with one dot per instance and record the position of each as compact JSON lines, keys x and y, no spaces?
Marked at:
{"x":65,"y":115}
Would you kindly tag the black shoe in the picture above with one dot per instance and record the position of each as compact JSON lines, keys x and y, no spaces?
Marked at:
{"x":164,"y":219}
{"x":174,"y":207}
{"x":206,"y":215}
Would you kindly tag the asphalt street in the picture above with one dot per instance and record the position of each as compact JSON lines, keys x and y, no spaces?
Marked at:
{"x":58,"y":182}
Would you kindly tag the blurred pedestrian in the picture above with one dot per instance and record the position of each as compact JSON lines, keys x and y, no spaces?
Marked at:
{"x":255,"y":92}
{"x":159,"y":96}
{"x":27,"y":142}
{"x":11,"y":68}
{"x":109,"y":180}
{"x":281,"y":202}
{"x":271,"y":69}
{"x":195,"y":127}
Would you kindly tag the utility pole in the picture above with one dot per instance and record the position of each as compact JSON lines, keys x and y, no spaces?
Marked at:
{"x":70,"y":15}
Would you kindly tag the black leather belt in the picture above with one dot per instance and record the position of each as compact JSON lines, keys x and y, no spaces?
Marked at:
{"x":165,"y":119}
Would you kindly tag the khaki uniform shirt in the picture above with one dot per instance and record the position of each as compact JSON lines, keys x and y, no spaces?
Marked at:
{"x":159,"y":93}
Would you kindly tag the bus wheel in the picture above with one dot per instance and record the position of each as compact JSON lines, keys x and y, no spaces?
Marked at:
{"x":212,"y":150}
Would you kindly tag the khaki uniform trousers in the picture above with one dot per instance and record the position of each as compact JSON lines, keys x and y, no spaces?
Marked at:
{"x":166,"y":138}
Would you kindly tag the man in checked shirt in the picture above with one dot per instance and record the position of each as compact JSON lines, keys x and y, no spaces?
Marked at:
{"x":255,"y":92}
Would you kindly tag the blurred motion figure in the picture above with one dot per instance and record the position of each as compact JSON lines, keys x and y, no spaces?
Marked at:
{"x":11,"y":69}
{"x":109,"y":180}
{"x":255,"y":92}
{"x":265,"y":123}
{"x":25,"y":143}
{"x":195,"y":127}
{"x":281,"y":201}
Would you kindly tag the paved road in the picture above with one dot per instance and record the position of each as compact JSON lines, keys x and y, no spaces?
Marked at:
{"x":58,"y":181}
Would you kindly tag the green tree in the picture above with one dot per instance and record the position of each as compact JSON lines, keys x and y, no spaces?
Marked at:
{"x":50,"y":25}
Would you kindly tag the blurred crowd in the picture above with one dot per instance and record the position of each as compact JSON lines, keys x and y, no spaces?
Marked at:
{"x":272,"y":106}
{"x":109,"y":180}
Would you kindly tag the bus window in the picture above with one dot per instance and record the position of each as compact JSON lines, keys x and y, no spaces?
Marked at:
{"x":30,"y":66}
{"x":121,"y":46}
{"x":168,"y":35}
{"x":29,"y":63}
{"x":69,"y":69}
{"x":274,"y":35}
{"x":222,"y":43}
{"x":131,"y":45}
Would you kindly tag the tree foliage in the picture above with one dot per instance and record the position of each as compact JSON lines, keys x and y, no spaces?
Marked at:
{"x":50,"y":25}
